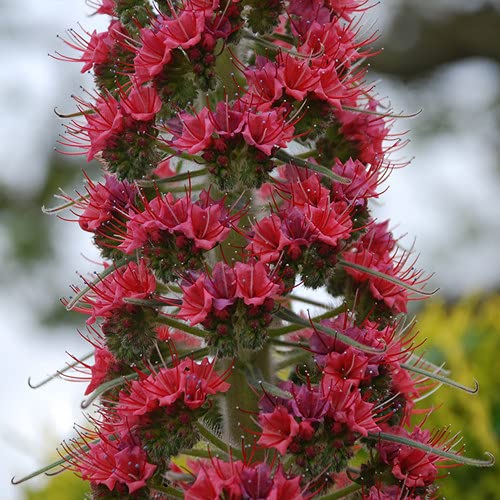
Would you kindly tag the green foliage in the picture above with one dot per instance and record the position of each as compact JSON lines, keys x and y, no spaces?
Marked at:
{"x":467,"y":336}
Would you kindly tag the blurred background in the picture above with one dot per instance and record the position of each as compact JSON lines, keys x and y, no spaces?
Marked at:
{"x":442,"y":56}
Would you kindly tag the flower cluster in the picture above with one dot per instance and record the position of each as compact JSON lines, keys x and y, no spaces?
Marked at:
{"x":241,"y":147}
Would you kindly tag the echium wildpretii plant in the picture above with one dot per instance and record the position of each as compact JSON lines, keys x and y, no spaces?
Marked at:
{"x":241,"y":145}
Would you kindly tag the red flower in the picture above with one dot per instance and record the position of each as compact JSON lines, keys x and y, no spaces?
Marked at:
{"x":234,"y":480}
{"x":104,"y":361}
{"x":152,"y":56}
{"x":108,"y":463}
{"x":330,"y":223}
{"x":184,"y":30}
{"x":104,"y":122}
{"x":163,"y":213}
{"x":103,"y":201}
{"x":278,"y":429}
{"x":296,"y":76}
{"x":206,"y":226}
{"x":200,"y":380}
{"x":133,"y":281}
{"x":267,"y":239}
{"x":412,"y":466}
{"x":166,"y":385}
{"x":285,"y":488}
{"x":138,"y":400}
{"x":221,"y":285}
{"x":253,"y":283}
{"x":196,"y":132}
{"x":267,"y":130}
{"x":349,"y":366}
{"x":264,"y":87}
{"x":142,"y":103}
{"x":196,"y":302}
{"x":363,"y":185}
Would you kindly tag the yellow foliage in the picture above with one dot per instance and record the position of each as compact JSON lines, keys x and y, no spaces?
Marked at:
{"x":467,"y":337}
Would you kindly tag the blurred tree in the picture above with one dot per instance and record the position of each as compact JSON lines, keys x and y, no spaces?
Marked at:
{"x":423,"y":36}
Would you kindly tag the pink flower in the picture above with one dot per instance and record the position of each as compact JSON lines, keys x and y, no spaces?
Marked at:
{"x":349,"y":366}
{"x":104,"y":201}
{"x":264,"y":87}
{"x":205,"y":226}
{"x":166,"y":386}
{"x":142,"y":103}
{"x":137,"y":400}
{"x":253,"y":283}
{"x":201,"y":380}
{"x":363,"y":185}
{"x":296,"y":76}
{"x":221,"y":285}
{"x":267,"y":239}
{"x":107,"y":463}
{"x":267,"y":130}
{"x":413,"y":466}
{"x":152,"y":56}
{"x":196,"y":132}
{"x":97,"y":51}
{"x":104,"y":122}
{"x":366,"y":131}
{"x":163,"y":213}
{"x":184,"y":30}
{"x":196,"y":302}
{"x":164,"y":169}
{"x":278,"y":429}
{"x":328,"y":223}
{"x":285,"y":488}
{"x":104,"y":362}
{"x":131,"y":281}
{"x":104,"y":6}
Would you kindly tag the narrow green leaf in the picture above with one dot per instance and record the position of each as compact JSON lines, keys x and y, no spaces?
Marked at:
{"x":47,"y":468}
{"x":287,"y":158}
{"x":110,"y":269}
{"x":274,"y":390}
{"x":198,"y":332}
{"x":341,"y":493}
{"x":211,"y":437}
{"x":144,"y":302}
{"x":59,"y":372}
{"x":276,"y":332}
{"x":292,"y":360}
{"x":385,"y":277}
{"x":63,"y":206}
{"x":174,"y":178}
{"x":448,"y":455}
{"x":171,"y":492}
{"x":291,"y":317}
{"x":106,"y":387}
{"x":440,"y":378}
{"x":379,"y":113}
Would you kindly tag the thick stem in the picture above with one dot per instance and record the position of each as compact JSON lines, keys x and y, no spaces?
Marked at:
{"x":240,"y":404}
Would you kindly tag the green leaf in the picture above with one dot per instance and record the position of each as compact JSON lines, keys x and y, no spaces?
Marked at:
{"x":440,"y":378}
{"x":285,"y":157}
{"x":110,"y":269}
{"x":59,"y":372}
{"x":174,"y":178}
{"x":385,"y":277}
{"x":448,"y":455}
{"x":291,"y":317}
